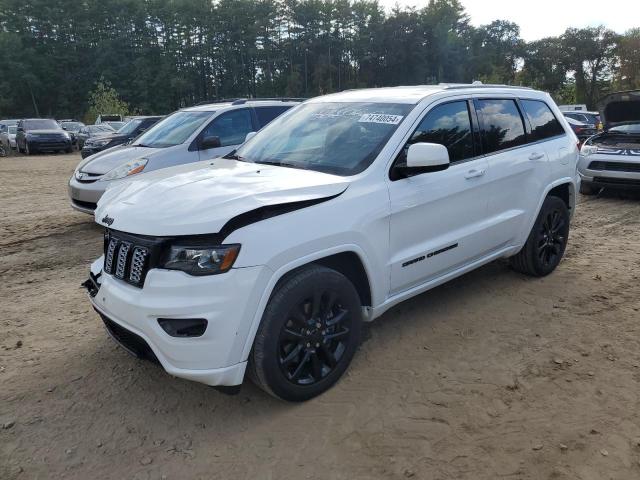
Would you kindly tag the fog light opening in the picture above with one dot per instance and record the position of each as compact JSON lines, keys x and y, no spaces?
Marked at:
{"x":183,"y":327}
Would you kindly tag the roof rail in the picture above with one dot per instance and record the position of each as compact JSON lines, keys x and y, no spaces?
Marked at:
{"x":478,"y":84}
{"x":222,"y":100}
{"x":241,"y":101}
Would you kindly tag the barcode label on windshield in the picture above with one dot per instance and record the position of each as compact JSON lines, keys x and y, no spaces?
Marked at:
{"x":381,"y":118}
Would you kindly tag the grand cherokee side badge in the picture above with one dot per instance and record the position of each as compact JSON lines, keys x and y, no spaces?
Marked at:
{"x":108,"y":220}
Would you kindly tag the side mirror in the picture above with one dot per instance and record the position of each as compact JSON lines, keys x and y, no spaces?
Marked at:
{"x":249,"y":136}
{"x":427,"y":157}
{"x":210,"y":142}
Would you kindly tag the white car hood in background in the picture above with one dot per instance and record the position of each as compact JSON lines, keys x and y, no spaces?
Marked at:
{"x":201,"y":197}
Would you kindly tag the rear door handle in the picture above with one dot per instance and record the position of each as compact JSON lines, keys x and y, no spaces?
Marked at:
{"x":536,"y":156}
{"x":474,"y":173}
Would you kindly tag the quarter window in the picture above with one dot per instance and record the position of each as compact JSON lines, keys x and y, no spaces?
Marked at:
{"x":231,"y":127}
{"x":543,"y":122}
{"x":449,"y":125}
{"x":502,"y":124}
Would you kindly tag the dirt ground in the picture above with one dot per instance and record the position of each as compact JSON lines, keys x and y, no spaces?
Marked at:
{"x":493,"y":375}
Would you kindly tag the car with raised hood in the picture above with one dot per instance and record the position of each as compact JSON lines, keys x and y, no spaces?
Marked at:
{"x":132,"y":129}
{"x":267,"y":261}
{"x":612,"y":158}
{"x":41,"y":134}
{"x":189,"y":135}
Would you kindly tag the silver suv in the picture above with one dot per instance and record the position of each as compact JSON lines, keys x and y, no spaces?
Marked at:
{"x":189,"y":135}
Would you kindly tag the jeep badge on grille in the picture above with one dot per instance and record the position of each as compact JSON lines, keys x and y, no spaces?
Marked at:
{"x":108,"y":220}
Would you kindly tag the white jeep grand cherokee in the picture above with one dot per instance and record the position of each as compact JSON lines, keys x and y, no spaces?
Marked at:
{"x":268,"y":260}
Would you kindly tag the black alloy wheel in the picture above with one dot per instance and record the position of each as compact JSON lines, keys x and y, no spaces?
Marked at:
{"x":547,"y":240}
{"x":309,"y":333}
{"x":314,"y":338}
{"x":551,"y":238}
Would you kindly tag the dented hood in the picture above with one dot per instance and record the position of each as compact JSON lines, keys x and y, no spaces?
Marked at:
{"x":202,"y":197}
{"x":620,"y":108}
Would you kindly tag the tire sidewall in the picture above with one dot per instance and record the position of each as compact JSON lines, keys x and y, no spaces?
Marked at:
{"x":291,"y":292}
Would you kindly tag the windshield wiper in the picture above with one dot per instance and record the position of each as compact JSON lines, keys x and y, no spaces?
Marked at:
{"x":233,"y":156}
{"x":283,"y":164}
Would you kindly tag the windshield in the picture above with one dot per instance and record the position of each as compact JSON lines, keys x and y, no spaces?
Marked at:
{"x":12,"y":129}
{"x":337,"y":138}
{"x":629,"y":128}
{"x":71,"y":126}
{"x":130,"y":127}
{"x":43,"y":124}
{"x":173,"y":130}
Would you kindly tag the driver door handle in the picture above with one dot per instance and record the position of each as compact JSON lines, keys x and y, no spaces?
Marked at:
{"x":536,"y":156}
{"x":474,"y":173}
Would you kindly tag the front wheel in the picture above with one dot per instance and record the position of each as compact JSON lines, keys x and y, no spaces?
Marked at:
{"x":547,"y":241}
{"x":309,"y":333}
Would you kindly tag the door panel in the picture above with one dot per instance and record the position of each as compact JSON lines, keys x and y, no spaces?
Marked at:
{"x":438,"y":223}
{"x":439,"y":219}
{"x":518,"y":168}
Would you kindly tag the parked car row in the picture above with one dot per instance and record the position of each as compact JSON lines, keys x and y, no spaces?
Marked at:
{"x":186,"y":136}
{"x":225,"y":257}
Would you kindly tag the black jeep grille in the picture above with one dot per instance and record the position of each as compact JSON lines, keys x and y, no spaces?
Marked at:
{"x":127,"y":259}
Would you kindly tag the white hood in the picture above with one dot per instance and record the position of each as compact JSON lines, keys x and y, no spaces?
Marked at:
{"x":201,"y":197}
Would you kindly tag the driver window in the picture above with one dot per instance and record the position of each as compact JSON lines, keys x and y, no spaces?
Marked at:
{"x":231,"y":127}
{"x":448,"y":124}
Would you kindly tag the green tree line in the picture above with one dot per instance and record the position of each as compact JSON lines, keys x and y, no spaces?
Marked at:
{"x":160,"y":55}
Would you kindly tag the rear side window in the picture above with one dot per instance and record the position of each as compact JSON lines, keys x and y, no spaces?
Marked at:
{"x":502,"y":125}
{"x":266,"y":114}
{"x":544,"y":124}
{"x":448,"y":124}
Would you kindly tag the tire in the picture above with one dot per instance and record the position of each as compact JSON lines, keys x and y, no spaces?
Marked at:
{"x":69,"y":150}
{"x":547,"y":240}
{"x":588,"y":188}
{"x":298,"y":354}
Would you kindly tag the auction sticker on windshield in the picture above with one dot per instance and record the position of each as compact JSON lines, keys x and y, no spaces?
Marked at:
{"x":381,"y":118}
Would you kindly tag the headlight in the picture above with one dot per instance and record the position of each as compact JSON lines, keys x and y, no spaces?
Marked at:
{"x":97,"y":143}
{"x":587,"y":150}
{"x":130,"y":168}
{"x":202,"y":260}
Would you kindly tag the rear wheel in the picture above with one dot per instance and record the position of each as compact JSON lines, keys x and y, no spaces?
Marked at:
{"x":588,"y":188}
{"x":309,"y":333}
{"x":547,"y":241}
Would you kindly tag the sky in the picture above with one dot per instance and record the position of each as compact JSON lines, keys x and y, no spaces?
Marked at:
{"x":545,"y":18}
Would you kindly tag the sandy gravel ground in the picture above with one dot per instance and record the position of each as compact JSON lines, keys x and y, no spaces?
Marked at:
{"x":492,"y":376}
